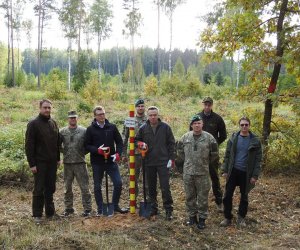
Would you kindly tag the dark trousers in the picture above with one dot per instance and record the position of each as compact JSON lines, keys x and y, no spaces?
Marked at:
{"x":215,"y":180}
{"x":236,"y":178}
{"x":163,"y":175}
{"x":44,"y":188}
{"x":114,"y":174}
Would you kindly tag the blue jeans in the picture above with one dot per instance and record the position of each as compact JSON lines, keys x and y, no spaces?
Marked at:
{"x":98,"y":173}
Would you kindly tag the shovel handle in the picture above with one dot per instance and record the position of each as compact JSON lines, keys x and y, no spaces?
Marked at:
{"x":106,"y":153}
{"x":143,"y":151}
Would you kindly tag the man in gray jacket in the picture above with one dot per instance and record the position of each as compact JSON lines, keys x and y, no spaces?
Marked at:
{"x":72,"y":138}
{"x":158,"y":137}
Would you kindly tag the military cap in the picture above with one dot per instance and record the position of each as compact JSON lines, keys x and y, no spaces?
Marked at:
{"x":138,"y":102}
{"x":72,"y":113}
{"x":208,"y":99}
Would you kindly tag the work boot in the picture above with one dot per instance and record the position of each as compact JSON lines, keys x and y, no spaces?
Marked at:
{"x":192,"y":221}
{"x":225,"y":223}
{"x":37,"y":220}
{"x":241,"y":222}
{"x":169,"y":215}
{"x":201,"y":224}
{"x":86,"y":213}
{"x":120,"y":210}
{"x":68,"y":212}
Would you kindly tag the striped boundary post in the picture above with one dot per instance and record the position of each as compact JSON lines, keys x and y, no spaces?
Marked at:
{"x":132,"y":202}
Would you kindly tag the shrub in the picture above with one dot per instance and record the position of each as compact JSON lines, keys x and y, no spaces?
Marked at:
{"x":192,"y":87}
{"x":151,"y":87}
{"x":56,"y":88}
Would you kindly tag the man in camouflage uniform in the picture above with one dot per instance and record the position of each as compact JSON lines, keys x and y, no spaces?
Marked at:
{"x":74,"y":152}
{"x":140,"y":119}
{"x":197,"y":149}
{"x":214,"y":124}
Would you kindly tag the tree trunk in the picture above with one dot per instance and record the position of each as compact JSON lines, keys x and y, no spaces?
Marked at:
{"x":69,"y":64}
{"x":39,"y":47}
{"x":170,"y":49}
{"x":275,"y":74}
{"x":99,"y":59}
{"x":8,"y":41}
{"x":118,"y":63}
{"x":12,"y":46}
{"x":158,"y":42}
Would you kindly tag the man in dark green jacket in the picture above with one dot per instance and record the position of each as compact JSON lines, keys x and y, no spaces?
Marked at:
{"x":42,"y":151}
{"x":158,"y":137}
{"x":242,"y":165}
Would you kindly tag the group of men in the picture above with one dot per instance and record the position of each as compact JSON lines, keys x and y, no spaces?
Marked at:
{"x":197,"y":150}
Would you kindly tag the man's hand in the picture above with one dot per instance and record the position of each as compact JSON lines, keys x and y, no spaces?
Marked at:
{"x":115,"y":157}
{"x":33,"y":170}
{"x":225,"y":175}
{"x":59,"y":163}
{"x":142,"y":145}
{"x":102,"y":149}
{"x":253,"y":180}
{"x":171,"y":164}
{"x":124,"y":159}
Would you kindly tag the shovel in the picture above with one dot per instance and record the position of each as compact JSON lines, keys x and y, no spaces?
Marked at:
{"x":145,"y":207}
{"x":107,"y":208}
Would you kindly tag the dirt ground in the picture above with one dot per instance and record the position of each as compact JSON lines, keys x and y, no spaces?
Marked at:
{"x":273,"y":222}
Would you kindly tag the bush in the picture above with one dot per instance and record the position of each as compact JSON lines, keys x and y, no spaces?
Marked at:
{"x":151,"y":86}
{"x":192,"y":87}
{"x":172,"y":86}
{"x":91,"y":92}
{"x":56,"y":88}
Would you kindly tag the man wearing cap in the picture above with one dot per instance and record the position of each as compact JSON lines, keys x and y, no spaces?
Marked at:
{"x":197,"y":149}
{"x":214,"y":124}
{"x":140,"y":119}
{"x":158,"y":137}
{"x":100,"y":136}
{"x":42,"y":151}
{"x":72,"y":147}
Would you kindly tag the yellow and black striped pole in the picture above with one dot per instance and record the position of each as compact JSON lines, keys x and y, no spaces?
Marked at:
{"x":132,"y":202}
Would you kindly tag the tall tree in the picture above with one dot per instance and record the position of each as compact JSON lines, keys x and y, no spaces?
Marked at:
{"x":132,"y":23}
{"x":69,"y":16}
{"x":27,"y":26}
{"x":169,"y":8}
{"x":246,"y":24}
{"x":101,"y":15}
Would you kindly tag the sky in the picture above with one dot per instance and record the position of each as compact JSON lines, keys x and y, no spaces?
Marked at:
{"x":186,"y":27}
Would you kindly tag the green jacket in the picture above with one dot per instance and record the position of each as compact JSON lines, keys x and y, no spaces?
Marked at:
{"x":253,"y":161}
{"x":72,"y":144}
{"x":197,"y":154}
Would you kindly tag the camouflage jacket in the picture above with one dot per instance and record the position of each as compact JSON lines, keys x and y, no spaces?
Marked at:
{"x":197,"y":154}
{"x":72,"y":144}
{"x":139,"y":121}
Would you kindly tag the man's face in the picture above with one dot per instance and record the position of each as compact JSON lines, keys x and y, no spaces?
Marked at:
{"x":72,"y":121}
{"x":197,"y":126}
{"x":140,"y":109}
{"x":207,"y":107}
{"x":153,"y":116}
{"x":244,"y":126}
{"x":100,"y":116}
{"x":45,"y":109}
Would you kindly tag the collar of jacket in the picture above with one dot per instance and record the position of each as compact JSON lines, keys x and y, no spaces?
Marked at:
{"x":94,"y":123}
{"x":44,"y":118}
{"x":234,"y":140}
{"x":204,"y":115}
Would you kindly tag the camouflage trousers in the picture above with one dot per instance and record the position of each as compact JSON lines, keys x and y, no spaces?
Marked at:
{"x":196,"y":192}
{"x":78,"y":171}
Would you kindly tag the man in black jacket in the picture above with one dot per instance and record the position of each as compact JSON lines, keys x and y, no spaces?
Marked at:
{"x":101,"y":135}
{"x":42,"y":151}
{"x":158,"y":137}
{"x":214,"y":124}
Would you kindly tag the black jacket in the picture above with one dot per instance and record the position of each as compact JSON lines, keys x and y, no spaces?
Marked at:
{"x":161,"y":145}
{"x":214,"y":124}
{"x":42,"y":141}
{"x":96,"y":136}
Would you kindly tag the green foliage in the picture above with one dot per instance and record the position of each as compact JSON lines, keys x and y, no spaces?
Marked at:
{"x":172,"y":86}
{"x":82,"y":72}
{"x":219,"y":79}
{"x":30,"y":84}
{"x":20,"y":78}
{"x":8,"y":82}
{"x":56,"y":88}
{"x":84,"y":107}
{"x":206,"y":78}
{"x":91,"y":92}
{"x":151,"y":86}
{"x":192,"y":87}
{"x":179,"y":69}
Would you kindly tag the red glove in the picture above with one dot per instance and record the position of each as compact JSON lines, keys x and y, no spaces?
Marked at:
{"x":142,"y":145}
{"x":171,"y":164}
{"x":102,"y":149}
{"x":115,"y":157}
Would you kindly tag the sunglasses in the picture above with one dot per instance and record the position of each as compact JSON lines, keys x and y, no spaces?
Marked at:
{"x":244,"y":125}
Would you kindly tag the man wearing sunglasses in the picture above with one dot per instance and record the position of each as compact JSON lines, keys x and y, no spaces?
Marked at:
{"x":72,"y":147}
{"x":241,"y":167}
